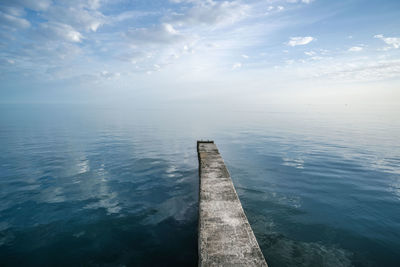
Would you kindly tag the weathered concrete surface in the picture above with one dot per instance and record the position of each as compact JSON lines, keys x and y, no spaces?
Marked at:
{"x":225,"y":235}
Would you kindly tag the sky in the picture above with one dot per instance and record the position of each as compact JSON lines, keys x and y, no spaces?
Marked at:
{"x":153,"y":52}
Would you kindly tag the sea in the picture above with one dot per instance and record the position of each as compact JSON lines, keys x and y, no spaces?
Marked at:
{"x":104,"y":185}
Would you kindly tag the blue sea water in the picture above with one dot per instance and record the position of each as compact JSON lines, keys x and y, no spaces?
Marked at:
{"x":103,"y":186}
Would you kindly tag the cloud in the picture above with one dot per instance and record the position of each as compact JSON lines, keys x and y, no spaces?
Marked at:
{"x":13,"y":21}
{"x":36,"y":5}
{"x":237,"y":65}
{"x":56,"y":31}
{"x":355,"y":49}
{"x":94,"y":4}
{"x":109,"y":75}
{"x":212,"y":13}
{"x":300,"y":1}
{"x":160,"y":34}
{"x":356,"y":70}
{"x":394,"y":42}
{"x":207,"y":40}
{"x":295,"y":41}
{"x":152,"y":46}
{"x":131,"y":14}
{"x":277,"y":8}
{"x":78,"y":17}
{"x":7,"y":61}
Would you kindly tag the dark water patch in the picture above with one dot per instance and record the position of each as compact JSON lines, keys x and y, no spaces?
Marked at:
{"x":105,"y":242}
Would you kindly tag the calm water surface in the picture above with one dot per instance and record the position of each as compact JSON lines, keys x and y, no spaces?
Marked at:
{"x":91,"y":185}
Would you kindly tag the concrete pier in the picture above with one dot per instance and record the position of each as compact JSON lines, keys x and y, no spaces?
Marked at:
{"x":225,"y":235}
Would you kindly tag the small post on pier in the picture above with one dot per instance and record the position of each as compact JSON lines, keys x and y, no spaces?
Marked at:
{"x":225,"y":235}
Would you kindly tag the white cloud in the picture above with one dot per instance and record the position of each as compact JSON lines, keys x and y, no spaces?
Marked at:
{"x":78,"y":17}
{"x":13,"y":21}
{"x":237,"y":65}
{"x":202,"y":39}
{"x":213,"y":13}
{"x":129,"y":15}
{"x":162,"y":34}
{"x":317,"y":58}
{"x":289,"y":61}
{"x":294,"y":41}
{"x":182,"y":1}
{"x":300,"y":1}
{"x":310,"y":53}
{"x":354,"y":70}
{"x":355,"y":49}
{"x":4,"y":61}
{"x":36,"y":5}
{"x":394,"y":42}
{"x":55,"y":31}
{"x":109,"y":75}
{"x":277,"y":8}
{"x":94,"y":4}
